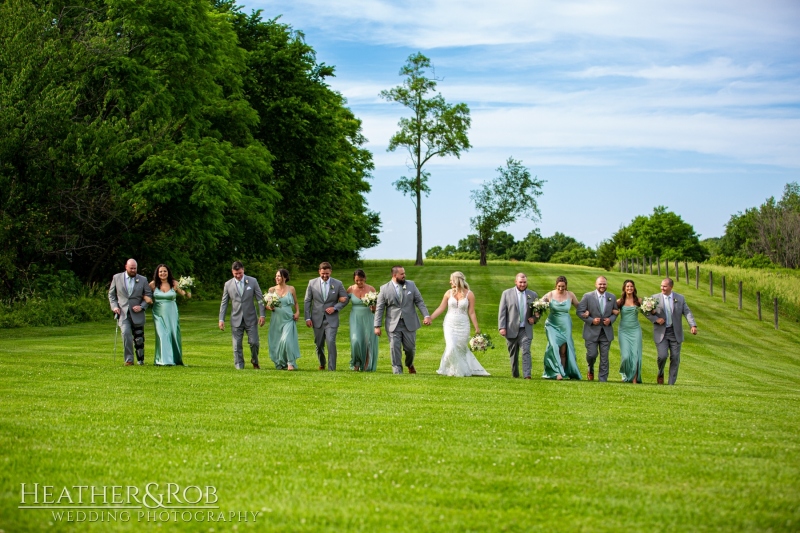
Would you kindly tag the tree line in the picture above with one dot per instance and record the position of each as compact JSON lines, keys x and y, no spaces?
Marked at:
{"x":186,"y":132}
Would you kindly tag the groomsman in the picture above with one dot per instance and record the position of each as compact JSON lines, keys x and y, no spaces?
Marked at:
{"x":398,"y":299}
{"x":668,"y":329}
{"x":596,"y":310}
{"x":244,"y":293}
{"x":128,"y":296}
{"x":325,"y":297}
{"x":515,"y":321}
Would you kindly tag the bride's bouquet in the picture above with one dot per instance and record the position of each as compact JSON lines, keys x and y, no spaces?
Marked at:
{"x":186,"y":283}
{"x":480,"y":343}
{"x":540,"y":307}
{"x":272,"y":300}
{"x":649,"y":305}
{"x":370,"y":299}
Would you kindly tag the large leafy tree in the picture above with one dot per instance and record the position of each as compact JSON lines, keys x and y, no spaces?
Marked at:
{"x":502,"y":200}
{"x":435,"y":129}
{"x":664,"y":234}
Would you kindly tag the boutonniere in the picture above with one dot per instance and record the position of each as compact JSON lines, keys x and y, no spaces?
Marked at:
{"x":246,"y":282}
{"x":136,"y":279}
{"x":608,"y":298}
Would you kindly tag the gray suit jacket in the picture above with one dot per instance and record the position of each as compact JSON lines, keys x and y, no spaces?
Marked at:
{"x":314,"y":305}
{"x":389,"y":303}
{"x":679,"y":309}
{"x":508,"y":316}
{"x":589,"y":302}
{"x":118,"y":297}
{"x":242,"y":307}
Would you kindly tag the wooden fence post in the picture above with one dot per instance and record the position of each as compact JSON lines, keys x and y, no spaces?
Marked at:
{"x":666,"y":267}
{"x":658,"y":262}
{"x":697,"y":277}
{"x":686,"y":268}
{"x":724,"y":298}
{"x":677,"y":271}
{"x":650,"y":262}
{"x":740,"y":296}
{"x":776,"y":313}
{"x":711,"y":282}
{"x":758,"y":303}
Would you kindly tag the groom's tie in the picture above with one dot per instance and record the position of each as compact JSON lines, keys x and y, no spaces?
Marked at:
{"x":521,"y":309}
{"x":668,"y":302}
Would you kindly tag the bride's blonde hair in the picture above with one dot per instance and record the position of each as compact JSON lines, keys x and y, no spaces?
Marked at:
{"x":460,"y":281}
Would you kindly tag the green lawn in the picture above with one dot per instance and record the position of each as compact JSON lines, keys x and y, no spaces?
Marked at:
{"x":322,"y":451}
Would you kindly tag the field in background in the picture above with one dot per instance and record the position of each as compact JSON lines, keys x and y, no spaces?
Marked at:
{"x":315,"y":451}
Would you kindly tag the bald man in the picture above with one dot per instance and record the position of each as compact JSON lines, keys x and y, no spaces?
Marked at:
{"x":596,"y":310}
{"x":515,"y":321}
{"x":128,"y":296}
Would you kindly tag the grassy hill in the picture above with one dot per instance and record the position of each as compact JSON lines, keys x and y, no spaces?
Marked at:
{"x":321,"y":451}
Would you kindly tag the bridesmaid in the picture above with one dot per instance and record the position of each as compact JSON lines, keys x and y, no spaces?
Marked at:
{"x":284,"y":348}
{"x":559,"y":356}
{"x":169,"y":351}
{"x":630,"y":334}
{"x":363,"y":341}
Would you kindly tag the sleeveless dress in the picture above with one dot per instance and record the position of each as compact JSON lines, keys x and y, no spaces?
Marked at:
{"x":363,"y":341}
{"x":458,"y":360}
{"x":168,"y":328}
{"x":284,"y":348}
{"x":630,"y":344}
{"x":558,"y":330}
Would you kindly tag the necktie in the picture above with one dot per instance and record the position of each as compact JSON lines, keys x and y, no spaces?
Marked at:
{"x":400,"y":292}
{"x":239,"y":287}
{"x":130,"y":285}
{"x":324,"y":290}
{"x":602,"y":302}
{"x":521,"y":308}
{"x":668,"y":301}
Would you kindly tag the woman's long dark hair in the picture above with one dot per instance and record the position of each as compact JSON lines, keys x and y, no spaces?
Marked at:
{"x":559,"y":279}
{"x":157,"y":280}
{"x":636,"y":299}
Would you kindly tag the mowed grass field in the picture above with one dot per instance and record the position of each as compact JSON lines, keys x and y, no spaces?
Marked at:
{"x":345,"y":451}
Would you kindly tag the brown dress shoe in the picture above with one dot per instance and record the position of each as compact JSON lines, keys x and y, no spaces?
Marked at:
{"x":256,"y":367}
{"x":128,"y":363}
{"x":322,"y":367}
{"x":412,"y":370}
{"x":527,"y":377}
{"x":590,"y":376}
{"x":660,"y":380}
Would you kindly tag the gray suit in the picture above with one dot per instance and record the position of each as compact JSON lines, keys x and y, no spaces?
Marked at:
{"x":668,"y":339}
{"x":508,"y":318}
{"x":118,"y":297}
{"x":402,"y":321}
{"x":243,"y":316}
{"x":599,"y":336}
{"x":325,"y":326}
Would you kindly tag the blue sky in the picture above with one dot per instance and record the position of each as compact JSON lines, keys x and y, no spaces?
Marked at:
{"x":618,"y":106}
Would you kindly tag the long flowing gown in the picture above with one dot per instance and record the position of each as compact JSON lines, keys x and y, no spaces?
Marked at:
{"x":363,"y":341}
{"x":630,"y":344}
{"x":168,"y":328}
{"x":458,"y":359}
{"x":558,"y":330}
{"x":284,"y":348}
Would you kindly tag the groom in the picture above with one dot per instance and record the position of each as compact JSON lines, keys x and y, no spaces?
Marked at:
{"x":596,"y":309}
{"x":515,"y":321}
{"x":668,"y":329}
{"x":128,"y":295}
{"x":325,"y":297}
{"x":398,"y":299}
{"x":243,"y":292}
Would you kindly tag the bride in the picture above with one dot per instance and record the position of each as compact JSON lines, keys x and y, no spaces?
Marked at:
{"x":460,"y":304}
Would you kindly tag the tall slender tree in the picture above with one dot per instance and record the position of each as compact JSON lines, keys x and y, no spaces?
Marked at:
{"x":435,"y":128}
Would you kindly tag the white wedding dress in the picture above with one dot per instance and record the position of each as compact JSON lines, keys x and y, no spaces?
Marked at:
{"x":458,"y":359}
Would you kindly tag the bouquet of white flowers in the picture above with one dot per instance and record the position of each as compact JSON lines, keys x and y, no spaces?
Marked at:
{"x":480,"y":343}
{"x":186,"y":283}
{"x":649,"y":305}
{"x":370,"y":299}
{"x":272,"y":300}
{"x":540,"y":307}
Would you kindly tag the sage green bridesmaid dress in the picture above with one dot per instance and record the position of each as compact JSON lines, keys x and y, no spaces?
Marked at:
{"x":284,"y":348}
{"x":558,"y":329}
{"x":630,"y":344}
{"x":168,"y":328}
{"x":363,"y":341}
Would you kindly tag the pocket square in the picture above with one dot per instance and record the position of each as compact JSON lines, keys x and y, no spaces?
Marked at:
{"x":249,"y":288}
